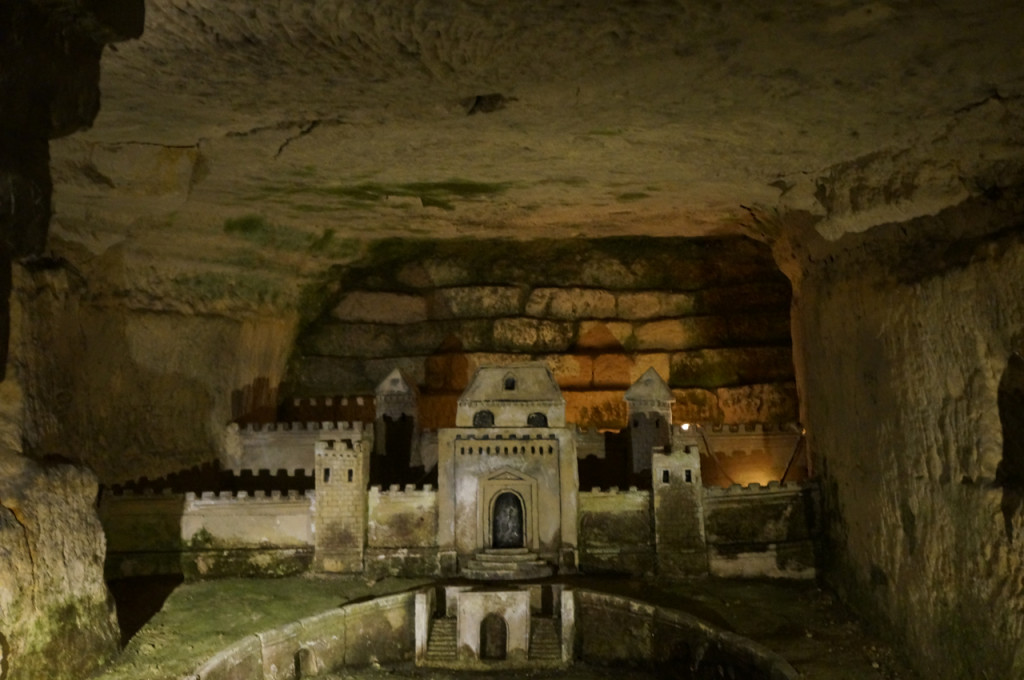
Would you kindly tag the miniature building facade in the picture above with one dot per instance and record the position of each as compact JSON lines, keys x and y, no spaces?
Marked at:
{"x":507,"y":503}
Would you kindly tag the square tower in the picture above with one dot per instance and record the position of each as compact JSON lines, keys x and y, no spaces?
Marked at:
{"x":339,"y":530}
{"x":677,"y":494}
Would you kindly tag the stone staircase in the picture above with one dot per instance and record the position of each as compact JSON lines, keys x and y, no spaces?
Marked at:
{"x":545,"y":641}
{"x":505,"y":564}
{"x":442,"y":644}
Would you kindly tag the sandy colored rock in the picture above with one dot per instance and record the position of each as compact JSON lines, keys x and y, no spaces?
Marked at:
{"x":369,"y":307}
{"x":532,"y":335}
{"x":571,"y":371}
{"x":58,"y":619}
{"x":604,"y":335}
{"x":654,"y":304}
{"x":767,"y":403}
{"x":470,"y":302}
{"x":571,"y":303}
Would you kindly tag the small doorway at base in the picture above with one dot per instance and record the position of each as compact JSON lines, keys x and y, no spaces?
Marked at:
{"x":507,"y":521}
{"x":493,"y":638}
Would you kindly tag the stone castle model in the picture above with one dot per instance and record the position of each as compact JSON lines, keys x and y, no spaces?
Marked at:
{"x":497,"y":496}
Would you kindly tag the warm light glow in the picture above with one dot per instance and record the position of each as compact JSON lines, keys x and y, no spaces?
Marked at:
{"x":686,"y":426}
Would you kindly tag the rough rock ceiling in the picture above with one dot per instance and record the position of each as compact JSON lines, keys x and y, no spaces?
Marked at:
{"x":321,"y":121}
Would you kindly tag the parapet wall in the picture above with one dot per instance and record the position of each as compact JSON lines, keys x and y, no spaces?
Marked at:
{"x":283,"y":445}
{"x":615,"y":531}
{"x":762,"y":531}
{"x":378,"y":631}
{"x":752,"y":453}
{"x":401,"y":531}
{"x":616,"y":630}
{"x":242,"y":534}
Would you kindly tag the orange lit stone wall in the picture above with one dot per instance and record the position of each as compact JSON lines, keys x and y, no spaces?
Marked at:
{"x":710,"y":315}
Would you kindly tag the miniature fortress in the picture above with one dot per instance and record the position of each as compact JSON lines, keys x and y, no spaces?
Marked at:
{"x":498,"y":496}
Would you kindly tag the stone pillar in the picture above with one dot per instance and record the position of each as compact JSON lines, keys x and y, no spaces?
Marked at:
{"x":342,"y":473}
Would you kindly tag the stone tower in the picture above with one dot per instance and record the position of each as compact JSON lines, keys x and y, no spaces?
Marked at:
{"x":677,"y":494}
{"x":396,"y":432}
{"x":649,"y":401}
{"x":342,"y":474}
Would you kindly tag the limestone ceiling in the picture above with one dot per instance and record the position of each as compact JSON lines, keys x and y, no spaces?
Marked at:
{"x":290,"y":124}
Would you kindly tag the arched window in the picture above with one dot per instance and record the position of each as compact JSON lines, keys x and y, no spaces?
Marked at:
{"x":483,"y":419}
{"x":510,"y":382}
{"x":537,"y":420}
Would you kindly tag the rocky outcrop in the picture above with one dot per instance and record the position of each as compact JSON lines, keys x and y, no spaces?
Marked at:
{"x":907,"y":335}
{"x":58,"y":620}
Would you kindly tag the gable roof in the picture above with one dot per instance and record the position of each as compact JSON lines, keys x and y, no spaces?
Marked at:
{"x":649,"y":387}
{"x":529,"y":382}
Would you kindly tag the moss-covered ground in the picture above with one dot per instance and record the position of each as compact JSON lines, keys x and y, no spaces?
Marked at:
{"x":799,"y":620}
{"x":200,"y":618}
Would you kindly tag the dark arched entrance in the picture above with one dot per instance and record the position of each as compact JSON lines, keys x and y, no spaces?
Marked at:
{"x":507,"y":521}
{"x":483,"y":419}
{"x":493,"y":638}
{"x":1010,"y":471}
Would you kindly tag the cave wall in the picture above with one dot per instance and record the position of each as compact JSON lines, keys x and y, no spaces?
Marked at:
{"x":905,"y":334}
{"x":710,"y":315}
{"x":132,"y":392}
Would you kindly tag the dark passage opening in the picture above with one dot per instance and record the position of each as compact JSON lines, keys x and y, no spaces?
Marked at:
{"x":493,"y":638}
{"x":1010,"y":472}
{"x":507,"y":522}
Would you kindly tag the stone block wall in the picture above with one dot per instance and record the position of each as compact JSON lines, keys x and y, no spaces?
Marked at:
{"x":757,"y":531}
{"x":710,"y":315}
{"x":278,"y":445}
{"x":753,"y":453}
{"x":615,"y":531}
{"x":614,"y":630}
{"x":401,"y":531}
{"x":242,"y":534}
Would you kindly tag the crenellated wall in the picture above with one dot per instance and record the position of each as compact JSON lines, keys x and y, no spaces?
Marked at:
{"x":616,"y":531}
{"x":401,"y":531}
{"x":281,"y":445}
{"x":762,"y":531}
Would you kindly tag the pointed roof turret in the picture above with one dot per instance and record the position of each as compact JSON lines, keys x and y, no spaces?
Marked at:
{"x":396,"y":395}
{"x":649,"y":392}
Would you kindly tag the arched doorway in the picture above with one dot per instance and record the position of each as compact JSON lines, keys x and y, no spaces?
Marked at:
{"x":507,"y":521}
{"x":483,"y":419}
{"x":493,"y":638}
{"x":537,"y":420}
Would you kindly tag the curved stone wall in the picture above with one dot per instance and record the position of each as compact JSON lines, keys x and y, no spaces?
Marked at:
{"x":610,"y":630}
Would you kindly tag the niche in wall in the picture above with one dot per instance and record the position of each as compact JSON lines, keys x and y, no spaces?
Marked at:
{"x":1010,"y":473}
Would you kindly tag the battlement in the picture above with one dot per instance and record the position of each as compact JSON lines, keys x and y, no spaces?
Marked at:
{"x":755,"y":489}
{"x":119,"y":492}
{"x":339,"y":448}
{"x":613,"y":491}
{"x":493,"y":448}
{"x":752,"y":428}
{"x":211,"y":477}
{"x":298,"y":426}
{"x":301,"y":402}
{"x":397,"y":489}
{"x":246,"y":496}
